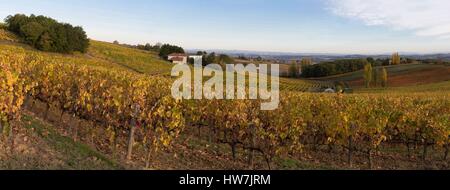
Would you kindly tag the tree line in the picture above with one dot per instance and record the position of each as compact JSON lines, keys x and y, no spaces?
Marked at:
{"x":342,"y":66}
{"x":333,"y":68}
{"x":210,"y":58}
{"x":296,"y":68}
{"x":47,"y":34}
{"x":147,"y":47}
{"x":164,"y":50}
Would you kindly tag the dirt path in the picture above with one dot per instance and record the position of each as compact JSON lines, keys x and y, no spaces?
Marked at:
{"x":11,"y":43}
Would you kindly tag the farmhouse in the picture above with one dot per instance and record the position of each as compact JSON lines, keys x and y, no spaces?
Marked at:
{"x":178,"y":58}
{"x":181,"y":58}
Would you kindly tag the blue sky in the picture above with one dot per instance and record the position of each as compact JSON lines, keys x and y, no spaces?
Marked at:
{"x":306,"y":26}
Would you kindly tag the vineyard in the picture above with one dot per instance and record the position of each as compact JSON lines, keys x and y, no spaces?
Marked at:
{"x":107,"y":98}
{"x":400,"y":75}
{"x":132,"y":59}
{"x":355,"y":123}
{"x":135,"y":108}
{"x":295,"y":85}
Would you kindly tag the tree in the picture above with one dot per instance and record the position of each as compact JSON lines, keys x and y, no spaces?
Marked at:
{"x":207,"y":58}
{"x":116,"y":42}
{"x":15,"y":22}
{"x":384,"y":77}
{"x":294,"y":69}
{"x":148,"y":47}
{"x":211,"y":58}
{"x":168,"y":49}
{"x":47,"y":34}
{"x":375,"y":76}
{"x":191,"y":61}
{"x":32,"y":31}
{"x":304,"y":63}
{"x":368,"y":74}
{"x":44,"y":42}
{"x":157,"y":47}
{"x":371,"y":60}
{"x":77,"y":38}
{"x":203,"y":53}
{"x":223,"y":59}
{"x":396,"y":59}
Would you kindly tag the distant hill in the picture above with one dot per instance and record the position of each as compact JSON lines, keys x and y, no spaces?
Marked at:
{"x":320,"y":57}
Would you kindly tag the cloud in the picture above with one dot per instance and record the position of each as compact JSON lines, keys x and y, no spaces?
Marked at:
{"x":423,"y":17}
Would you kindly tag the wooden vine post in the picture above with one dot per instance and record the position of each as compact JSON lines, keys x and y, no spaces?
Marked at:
{"x":75,"y":129}
{"x":425,"y":151}
{"x":1,"y":129}
{"x":252,"y":144}
{"x":350,"y":145}
{"x":370,"y":159}
{"x":149,"y":154}
{"x":447,"y":148}
{"x":47,"y":110}
{"x":133,"y":125}
{"x":350,"y":149}
{"x":11,"y":137}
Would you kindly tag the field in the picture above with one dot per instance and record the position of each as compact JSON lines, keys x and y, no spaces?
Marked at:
{"x":296,"y":85}
{"x":434,"y":87}
{"x":401,"y":75}
{"x":143,"y":62}
{"x":111,"y":109}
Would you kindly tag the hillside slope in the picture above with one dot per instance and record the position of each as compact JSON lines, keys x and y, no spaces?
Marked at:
{"x":443,"y":87}
{"x":140,"y":61}
{"x":100,"y":54}
{"x":400,"y":75}
{"x":108,"y":55}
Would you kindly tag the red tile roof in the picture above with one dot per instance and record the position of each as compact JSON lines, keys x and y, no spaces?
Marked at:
{"x":177,"y":59}
{"x":178,"y":55}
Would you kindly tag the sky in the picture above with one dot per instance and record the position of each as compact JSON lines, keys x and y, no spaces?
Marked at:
{"x":298,"y":26}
